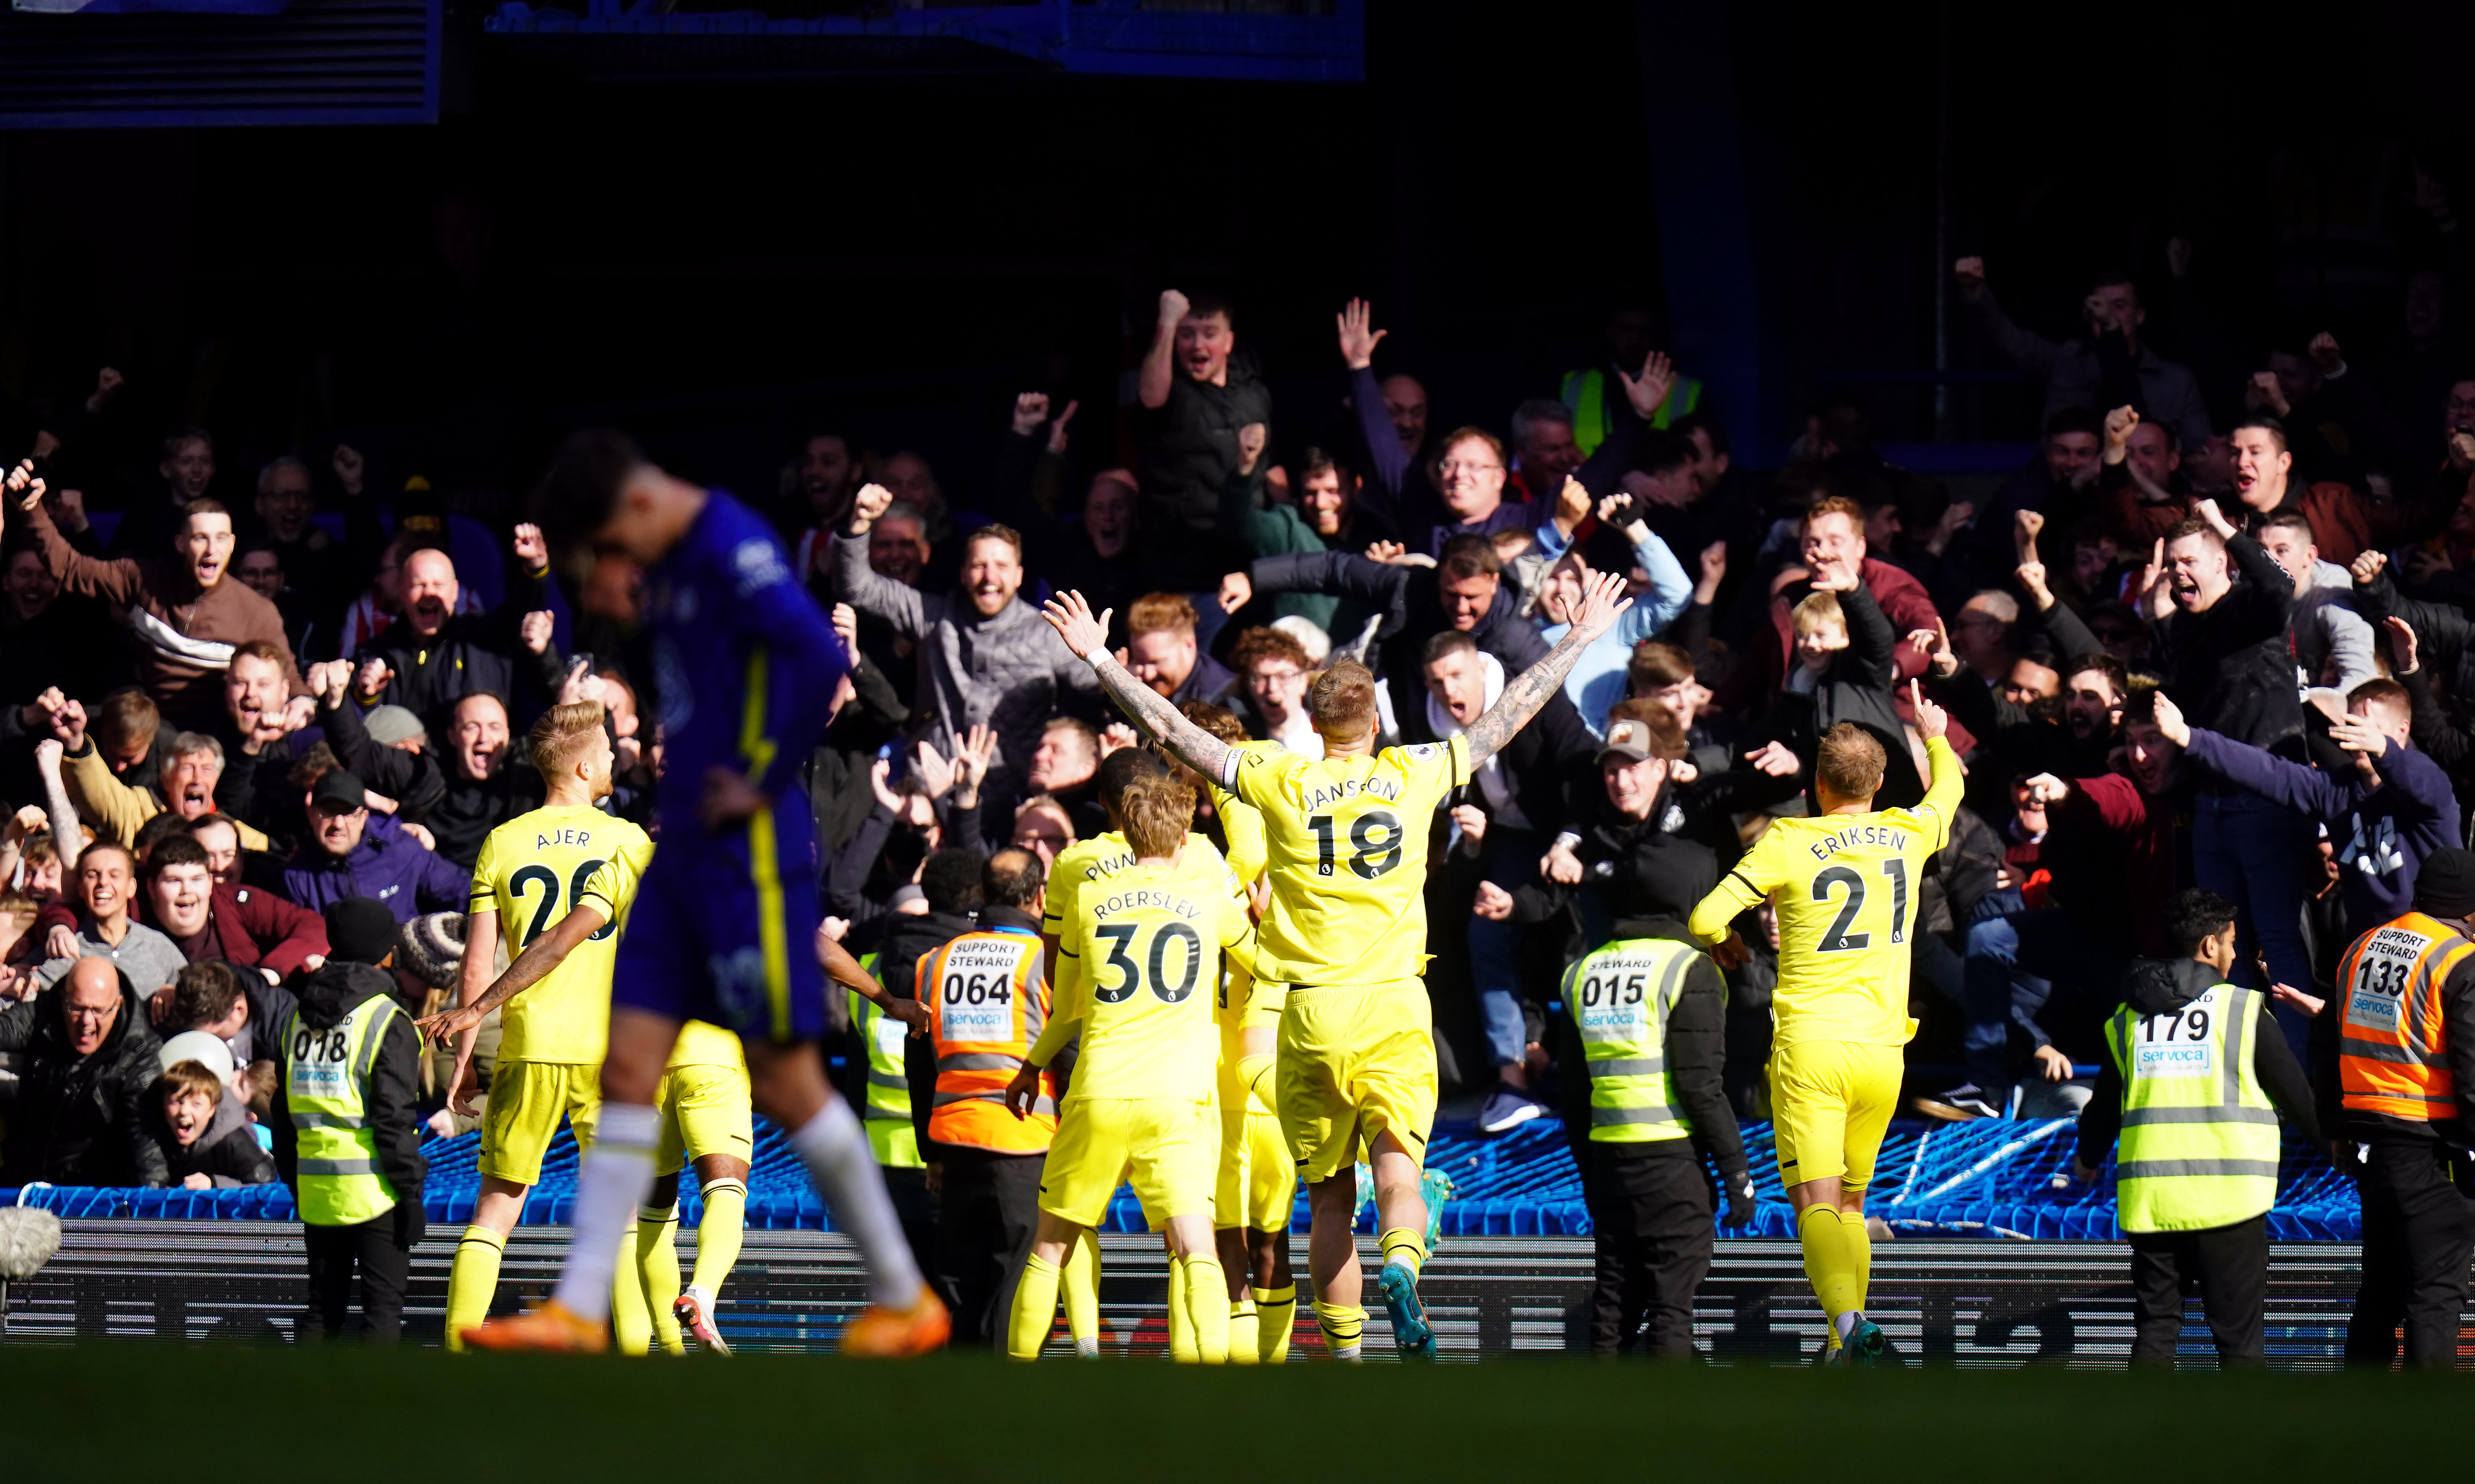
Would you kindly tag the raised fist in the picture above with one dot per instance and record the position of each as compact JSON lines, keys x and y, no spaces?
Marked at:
{"x":1030,"y":410}
{"x":530,"y":548}
{"x":1172,"y":307}
{"x":1971,"y":274}
{"x":374,"y":673}
{"x":533,"y":629}
{"x":2119,"y":425}
{"x":869,"y":507}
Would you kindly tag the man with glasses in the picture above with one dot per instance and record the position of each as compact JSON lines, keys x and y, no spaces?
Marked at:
{"x":1275,"y":667}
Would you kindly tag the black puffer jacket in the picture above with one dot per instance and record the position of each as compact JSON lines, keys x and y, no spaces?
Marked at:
{"x":227,"y":1152}
{"x":80,"y":1120}
{"x":327,"y":996}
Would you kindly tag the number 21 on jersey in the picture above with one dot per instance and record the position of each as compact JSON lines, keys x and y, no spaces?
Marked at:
{"x":1832,"y":880}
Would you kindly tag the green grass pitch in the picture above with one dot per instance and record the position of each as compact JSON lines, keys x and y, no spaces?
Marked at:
{"x":256,"y":1414}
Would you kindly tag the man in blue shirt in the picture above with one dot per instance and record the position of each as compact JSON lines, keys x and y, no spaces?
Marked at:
{"x":746,"y":670}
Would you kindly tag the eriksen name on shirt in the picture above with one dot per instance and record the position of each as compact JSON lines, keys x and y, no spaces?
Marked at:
{"x":1830,"y":845}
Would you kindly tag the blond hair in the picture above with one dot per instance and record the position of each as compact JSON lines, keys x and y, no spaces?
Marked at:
{"x":1157,"y":811}
{"x":1819,"y":610}
{"x":561,"y":735}
{"x":1850,"y":761}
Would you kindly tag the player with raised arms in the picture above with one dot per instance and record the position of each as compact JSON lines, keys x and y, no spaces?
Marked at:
{"x":1846,"y":879}
{"x":1346,"y":933}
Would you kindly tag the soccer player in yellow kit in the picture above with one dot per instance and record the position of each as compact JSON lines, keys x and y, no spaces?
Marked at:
{"x":1846,"y":879}
{"x":533,"y":871}
{"x":1080,"y":866}
{"x":1346,"y":933}
{"x":1259,"y":1182}
{"x":1149,"y":939}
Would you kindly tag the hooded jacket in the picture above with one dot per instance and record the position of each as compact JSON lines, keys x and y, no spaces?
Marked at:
{"x":1410,"y":599}
{"x":2154,"y":986}
{"x":388,"y":866}
{"x":80,"y":1120}
{"x":227,"y":1151}
{"x":327,"y":996}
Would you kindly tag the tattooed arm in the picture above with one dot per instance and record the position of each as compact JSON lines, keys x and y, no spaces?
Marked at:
{"x":1529,"y":689}
{"x":1151,"y":713}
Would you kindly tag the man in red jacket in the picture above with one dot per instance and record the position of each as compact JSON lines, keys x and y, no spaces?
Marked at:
{"x":246,"y":926}
{"x":1834,"y":540}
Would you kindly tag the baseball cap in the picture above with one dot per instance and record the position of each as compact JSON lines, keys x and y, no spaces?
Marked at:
{"x":1629,"y":740}
{"x":340,"y":789}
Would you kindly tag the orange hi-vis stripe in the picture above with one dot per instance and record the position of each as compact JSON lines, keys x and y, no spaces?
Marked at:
{"x":2394,"y":1044}
{"x":987,"y":1004}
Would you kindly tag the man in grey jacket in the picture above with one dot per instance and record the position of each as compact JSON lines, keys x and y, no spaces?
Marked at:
{"x":988,"y":658}
{"x":2326,"y":630}
{"x":2106,"y":368}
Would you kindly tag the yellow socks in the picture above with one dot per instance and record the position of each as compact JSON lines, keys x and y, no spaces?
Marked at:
{"x":1244,"y":1348}
{"x":1180,"y":1319}
{"x":1830,"y":1262}
{"x":1276,"y":1311}
{"x":1034,"y":1308}
{"x":658,"y":1263}
{"x":472,"y":1281}
{"x":1082,"y":1292}
{"x":1206,"y":1307}
{"x":1341,"y":1329}
{"x":719,"y":1233}
{"x":631,"y":1324}
{"x":1860,"y":1248}
{"x":1406,"y":1248}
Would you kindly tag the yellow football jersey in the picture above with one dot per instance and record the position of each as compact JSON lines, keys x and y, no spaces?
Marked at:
{"x":1149,"y":943}
{"x":533,"y":871}
{"x":1104,"y":856}
{"x":1241,"y":824}
{"x":1347,"y":846}
{"x":1847,"y":887}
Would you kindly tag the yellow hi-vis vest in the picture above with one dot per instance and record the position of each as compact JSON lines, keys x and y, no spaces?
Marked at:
{"x":1620,"y":997}
{"x":891,"y":1136}
{"x":1586,"y":392}
{"x":2200,"y":1138}
{"x":326,"y":1087}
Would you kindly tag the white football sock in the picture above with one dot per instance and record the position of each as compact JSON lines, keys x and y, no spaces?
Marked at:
{"x":844,"y":1170}
{"x":612,"y":1180}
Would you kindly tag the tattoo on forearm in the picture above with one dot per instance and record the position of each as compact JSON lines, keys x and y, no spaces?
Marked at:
{"x":1155,"y":718}
{"x":1521,"y":697}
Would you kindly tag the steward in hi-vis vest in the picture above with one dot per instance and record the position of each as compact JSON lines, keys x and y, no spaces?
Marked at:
{"x":347,"y":1134}
{"x":2197,"y":1075}
{"x":2393,"y":1060}
{"x":1644,"y":1031}
{"x":988,"y":999}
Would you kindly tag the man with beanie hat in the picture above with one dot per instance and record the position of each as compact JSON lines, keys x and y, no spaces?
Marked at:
{"x":346,"y":1138}
{"x":2393,"y":1056}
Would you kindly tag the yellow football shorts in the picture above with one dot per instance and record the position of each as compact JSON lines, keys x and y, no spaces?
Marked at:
{"x":1259,"y":1180}
{"x":705,"y":1110}
{"x":1831,"y":1102}
{"x":526,"y":1101}
{"x":1357,"y":1061}
{"x":1166,"y":1148}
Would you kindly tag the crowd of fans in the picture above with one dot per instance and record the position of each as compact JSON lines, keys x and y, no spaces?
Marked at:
{"x":2179,"y":648}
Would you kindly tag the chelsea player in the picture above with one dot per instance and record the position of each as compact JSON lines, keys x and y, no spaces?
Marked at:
{"x":747,"y":669}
